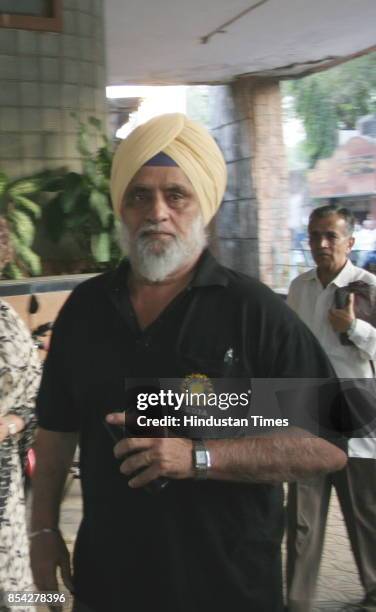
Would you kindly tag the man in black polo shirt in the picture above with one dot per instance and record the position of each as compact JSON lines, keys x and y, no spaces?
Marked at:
{"x":211,"y":538}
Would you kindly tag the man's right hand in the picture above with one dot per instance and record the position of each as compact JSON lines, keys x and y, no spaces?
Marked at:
{"x":48,"y":551}
{"x":341,"y":318}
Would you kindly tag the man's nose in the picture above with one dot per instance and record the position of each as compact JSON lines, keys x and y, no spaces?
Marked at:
{"x":323,"y":241}
{"x":158,"y":210}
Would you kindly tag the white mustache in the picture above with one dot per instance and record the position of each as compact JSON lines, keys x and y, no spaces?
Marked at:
{"x":151,"y":228}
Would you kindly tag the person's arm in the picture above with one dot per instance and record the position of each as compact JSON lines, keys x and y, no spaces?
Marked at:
{"x":361,"y":333}
{"x":54,"y":453}
{"x":9,"y":425}
{"x":283,"y":456}
{"x":20,"y":419}
{"x":280,"y":457}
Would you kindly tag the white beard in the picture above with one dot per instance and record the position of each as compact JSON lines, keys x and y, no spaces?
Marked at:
{"x":155,"y":265}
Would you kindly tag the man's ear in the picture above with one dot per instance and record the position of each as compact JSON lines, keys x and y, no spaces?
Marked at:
{"x":351,"y":242}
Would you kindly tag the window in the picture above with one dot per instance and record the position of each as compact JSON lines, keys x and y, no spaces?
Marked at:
{"x":31,"y":15}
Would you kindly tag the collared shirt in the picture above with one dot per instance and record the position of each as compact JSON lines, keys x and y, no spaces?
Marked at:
{"x":312,"y":302}
{"x":196,"y":545}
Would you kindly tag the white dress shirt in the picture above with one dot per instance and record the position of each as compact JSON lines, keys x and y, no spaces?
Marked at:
{"x":312,"y":302}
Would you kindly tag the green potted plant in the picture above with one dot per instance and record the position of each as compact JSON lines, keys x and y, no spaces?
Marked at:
{"x":82,"y":206}
{"x":19,"y":212}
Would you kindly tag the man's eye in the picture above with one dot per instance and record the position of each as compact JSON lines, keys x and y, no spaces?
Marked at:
{"x":175,"y":197}
{"x":138,"y":197}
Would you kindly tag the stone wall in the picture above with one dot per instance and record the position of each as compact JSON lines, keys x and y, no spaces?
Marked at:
{"x":270,"y":175}
{"x":44,"y":76}
{"x":252,"y":226}
{"x":235,"y":237}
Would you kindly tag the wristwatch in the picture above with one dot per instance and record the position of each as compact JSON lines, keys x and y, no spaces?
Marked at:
{"x":201,"y":459}
{"x":12,"y":429}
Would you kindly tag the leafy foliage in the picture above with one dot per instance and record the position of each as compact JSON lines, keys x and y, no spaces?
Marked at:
{"x":76,"y":205}
{"x":20,"y":213}
{"x":82,"y":206}
{"x":332,"y":100}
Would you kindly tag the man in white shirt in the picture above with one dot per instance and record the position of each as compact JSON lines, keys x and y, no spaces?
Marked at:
{"x":312,"y":296}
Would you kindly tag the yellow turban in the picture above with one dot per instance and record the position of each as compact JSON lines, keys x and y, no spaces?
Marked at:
{"x":188,"y":143}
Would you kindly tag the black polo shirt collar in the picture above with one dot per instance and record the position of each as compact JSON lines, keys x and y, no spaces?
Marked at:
{"x":208,"y":273}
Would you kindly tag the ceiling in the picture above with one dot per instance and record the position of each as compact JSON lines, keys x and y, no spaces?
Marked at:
{"x":214,"y":41}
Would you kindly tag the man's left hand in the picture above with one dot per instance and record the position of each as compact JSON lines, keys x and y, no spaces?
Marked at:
{"x":156,"y":457}
{"x":341,"y":318}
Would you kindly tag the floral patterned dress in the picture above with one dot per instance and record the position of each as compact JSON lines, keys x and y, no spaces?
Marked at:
{"x":19,"y":381}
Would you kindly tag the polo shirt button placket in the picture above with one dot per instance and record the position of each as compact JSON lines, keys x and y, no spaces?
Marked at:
{"x":142,"y":344}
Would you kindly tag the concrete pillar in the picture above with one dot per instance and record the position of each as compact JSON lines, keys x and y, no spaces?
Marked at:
{"x":44,"y":76}
{"x":235,"y":238}
{"x":252,"y":227}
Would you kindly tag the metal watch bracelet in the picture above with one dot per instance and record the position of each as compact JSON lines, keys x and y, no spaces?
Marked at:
{"x":201,"y":459}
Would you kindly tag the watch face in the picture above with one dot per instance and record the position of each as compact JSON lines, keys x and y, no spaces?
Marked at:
{"x":201,"y":458}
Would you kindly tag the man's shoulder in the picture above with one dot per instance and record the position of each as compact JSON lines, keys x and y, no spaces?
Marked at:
{"x":94,"y":284}
{"x":258,"y":298}
{"x":303,"y":278}
{"x":88,"y":294}
{"x":359,"y":274}
{"x":246,"y":285}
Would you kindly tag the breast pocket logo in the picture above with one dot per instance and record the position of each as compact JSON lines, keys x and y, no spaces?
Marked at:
{"x":197,"y":389}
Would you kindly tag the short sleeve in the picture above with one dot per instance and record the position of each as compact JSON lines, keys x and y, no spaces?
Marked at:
{"x":311,"y":399}
{"x":56,"y":409}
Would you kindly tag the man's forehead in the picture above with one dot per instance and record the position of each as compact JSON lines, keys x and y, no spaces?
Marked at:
{"x":156,"y":176}
{"x":332,"y":222}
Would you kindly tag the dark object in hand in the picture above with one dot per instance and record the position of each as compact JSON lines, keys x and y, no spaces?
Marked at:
{"x":364,"y":303}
